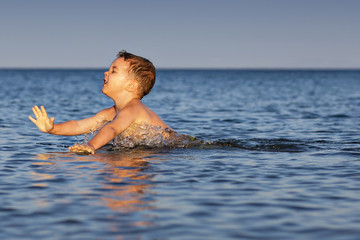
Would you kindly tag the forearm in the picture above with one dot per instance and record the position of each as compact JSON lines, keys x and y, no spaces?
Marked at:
{"x":105,"y":135}
{"x":69,"y":128}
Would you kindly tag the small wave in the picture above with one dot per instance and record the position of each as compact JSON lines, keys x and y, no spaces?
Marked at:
{"x":267,"y":145}
{"x":339,"y":116}
{"x":150,"y":137}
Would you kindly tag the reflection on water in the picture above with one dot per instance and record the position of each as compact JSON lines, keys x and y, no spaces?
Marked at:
{"x":127,"y":178}
{"x":124,"y":177}
{"x":124,"y":174}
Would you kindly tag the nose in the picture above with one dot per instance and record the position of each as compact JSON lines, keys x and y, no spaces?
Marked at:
{"x":106,"y":73}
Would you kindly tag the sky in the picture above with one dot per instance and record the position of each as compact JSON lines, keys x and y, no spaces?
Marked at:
{"x":181,"y":34}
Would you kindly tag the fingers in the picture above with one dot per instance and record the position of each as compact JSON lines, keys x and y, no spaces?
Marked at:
{"x":39,"y":112}
{"x":36,"y":111}
{"x":82,"y":149}
{"x":75,"y":146}
{"x":52,"y":120}
{"x":43,"y":111}
{"x":32,"y":119}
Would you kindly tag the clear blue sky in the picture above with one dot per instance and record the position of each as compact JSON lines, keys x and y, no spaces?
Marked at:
{"x":181,"y":34}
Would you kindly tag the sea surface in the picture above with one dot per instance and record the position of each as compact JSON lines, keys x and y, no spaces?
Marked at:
{"x":281,"y":159}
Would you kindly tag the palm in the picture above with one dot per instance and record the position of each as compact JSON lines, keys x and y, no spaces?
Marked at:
{"x":42,"y":120}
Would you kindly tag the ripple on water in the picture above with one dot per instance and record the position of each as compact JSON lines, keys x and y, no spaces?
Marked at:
{"x":276,"y":157}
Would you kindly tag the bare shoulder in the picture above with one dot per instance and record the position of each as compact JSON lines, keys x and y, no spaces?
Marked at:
{"x":107,"y":113}
{"x":145,"y":114}
{"x":136,"y":112}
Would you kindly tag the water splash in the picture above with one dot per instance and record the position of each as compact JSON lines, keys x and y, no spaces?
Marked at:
{"x":146,"y":135}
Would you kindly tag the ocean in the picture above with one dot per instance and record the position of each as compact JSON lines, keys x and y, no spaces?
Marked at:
{"x":281,"y":159}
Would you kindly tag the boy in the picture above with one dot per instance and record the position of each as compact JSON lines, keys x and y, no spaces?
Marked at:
{"x":129,"y":78}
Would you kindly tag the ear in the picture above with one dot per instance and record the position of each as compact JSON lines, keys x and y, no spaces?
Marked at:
{"x":132,"y":86}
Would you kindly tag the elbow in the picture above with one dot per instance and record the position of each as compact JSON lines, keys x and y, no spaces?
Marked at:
{"x":113,"y":132}
{"x":110,"y":131}
{"x":104,"y":136}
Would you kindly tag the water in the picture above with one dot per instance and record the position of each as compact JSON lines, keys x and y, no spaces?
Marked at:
{"x":282,"y":159}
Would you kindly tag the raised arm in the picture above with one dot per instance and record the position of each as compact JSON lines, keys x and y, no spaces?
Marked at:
{"x":69,"y":128}
{"x":107,"y":132}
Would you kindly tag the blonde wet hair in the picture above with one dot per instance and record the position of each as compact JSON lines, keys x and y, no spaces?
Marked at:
{"x":142,"y":70}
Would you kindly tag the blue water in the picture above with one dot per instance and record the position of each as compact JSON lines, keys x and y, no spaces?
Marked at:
{"x":282,"y":159}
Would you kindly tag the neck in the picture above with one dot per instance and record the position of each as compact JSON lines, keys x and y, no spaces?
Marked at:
{"x":120,"y":103}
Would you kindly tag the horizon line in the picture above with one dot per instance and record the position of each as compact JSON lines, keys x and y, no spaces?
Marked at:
{"x":199,"y":68}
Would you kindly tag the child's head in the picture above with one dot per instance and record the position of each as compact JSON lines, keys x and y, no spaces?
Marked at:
{"x":142,"y":70}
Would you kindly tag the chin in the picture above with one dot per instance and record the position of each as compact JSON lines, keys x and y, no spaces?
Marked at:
{"x":105,"y":93}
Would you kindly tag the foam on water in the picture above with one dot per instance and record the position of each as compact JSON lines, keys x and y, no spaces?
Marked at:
{"x":141,"y":134}
{"x":144,"y":134}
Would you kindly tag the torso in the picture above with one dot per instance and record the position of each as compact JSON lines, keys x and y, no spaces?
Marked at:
{"x":147,"y":129}
{"x":144,"y":134}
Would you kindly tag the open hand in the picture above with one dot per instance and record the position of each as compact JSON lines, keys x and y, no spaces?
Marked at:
{"x":82,"y":149}
{"x":42,"y":120}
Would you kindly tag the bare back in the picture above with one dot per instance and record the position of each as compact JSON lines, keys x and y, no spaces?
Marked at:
{"x":145,"y":115}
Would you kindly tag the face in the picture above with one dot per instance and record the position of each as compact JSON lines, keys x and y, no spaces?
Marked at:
{"x":116,"y":78}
